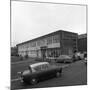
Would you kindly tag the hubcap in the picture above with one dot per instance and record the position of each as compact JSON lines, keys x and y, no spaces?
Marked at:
{"x":33,"y":81}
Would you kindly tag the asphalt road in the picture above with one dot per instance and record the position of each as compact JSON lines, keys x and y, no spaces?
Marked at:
{"x":73,"y":74}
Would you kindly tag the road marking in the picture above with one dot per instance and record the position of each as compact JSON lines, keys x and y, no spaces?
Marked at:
{"x":15,"y":79}
{"x":64,"y":66}
{"x":21,"y":62}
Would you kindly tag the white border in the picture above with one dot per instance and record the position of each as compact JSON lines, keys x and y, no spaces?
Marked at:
{"x":5,"y":43}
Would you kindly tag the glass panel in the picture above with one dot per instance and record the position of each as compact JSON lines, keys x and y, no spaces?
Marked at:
{"x":45,"y":66}
{"x":37,"y":68}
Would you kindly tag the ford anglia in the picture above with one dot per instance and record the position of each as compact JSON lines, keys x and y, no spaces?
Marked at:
{"x":39,"y":71}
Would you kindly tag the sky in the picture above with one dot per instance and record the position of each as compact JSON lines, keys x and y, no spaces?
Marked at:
{"x":30,"y":20}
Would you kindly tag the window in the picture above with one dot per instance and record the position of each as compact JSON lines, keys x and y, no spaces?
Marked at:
{"x":33,"y":44}
{"x":49,"y":40}
{"x":45,"y":66}
{"x":38,"y":43}
{"x":55,"y":38}
{"x":37,"y":68}
{"x":40,"y":67}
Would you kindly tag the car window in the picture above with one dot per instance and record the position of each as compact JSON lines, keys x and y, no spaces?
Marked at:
{"x":37,"y":68}
{"x":40,"y":67}
{"x":45,"y":66}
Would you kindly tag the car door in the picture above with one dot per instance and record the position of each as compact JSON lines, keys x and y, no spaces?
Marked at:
{"x":41,"y":73}
{"x":51,"y":72}
{"x":44,"y":72}
{"x":48,"y":72}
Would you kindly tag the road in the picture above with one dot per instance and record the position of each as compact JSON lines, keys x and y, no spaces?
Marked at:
{"x":73,"y":74}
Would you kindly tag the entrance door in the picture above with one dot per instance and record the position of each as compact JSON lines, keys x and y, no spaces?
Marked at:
{"x":43,"y":53}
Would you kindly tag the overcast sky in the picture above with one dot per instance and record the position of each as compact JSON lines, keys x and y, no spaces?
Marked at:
{"x":30,"y":20}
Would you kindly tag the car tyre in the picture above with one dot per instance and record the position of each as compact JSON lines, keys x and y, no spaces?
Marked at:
{"x":33,"y":81}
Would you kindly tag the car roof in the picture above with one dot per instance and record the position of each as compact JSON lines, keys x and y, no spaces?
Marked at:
{"x":64,"y":56}
{"x":37,"y":64}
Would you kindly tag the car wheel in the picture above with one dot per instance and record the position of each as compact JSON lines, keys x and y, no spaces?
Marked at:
{"x":56,"y":61}
{"x":58,"y":74}
{"x":33,"y":81}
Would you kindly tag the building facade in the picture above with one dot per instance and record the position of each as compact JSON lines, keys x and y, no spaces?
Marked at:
{"x":50,"y":45}
{"x":82,"y":43}
{"x":14,"y":51}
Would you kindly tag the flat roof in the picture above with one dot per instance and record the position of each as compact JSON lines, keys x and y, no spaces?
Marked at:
{"x":56,"y":32}
{"x":82,"y":36}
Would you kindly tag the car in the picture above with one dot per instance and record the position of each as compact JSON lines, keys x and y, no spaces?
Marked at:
{"x":78,"y":56}
{"x":39,"y":71}
{"x":85,"y":60}
{"x":64,"y":59}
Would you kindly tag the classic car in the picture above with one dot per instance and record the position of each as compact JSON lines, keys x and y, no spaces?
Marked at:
{"x":39,"y":71}
{"x":64,"y":59}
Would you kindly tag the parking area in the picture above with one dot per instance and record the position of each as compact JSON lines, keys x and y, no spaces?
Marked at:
{"x":23,"y":65}
{"x":73,"y":74}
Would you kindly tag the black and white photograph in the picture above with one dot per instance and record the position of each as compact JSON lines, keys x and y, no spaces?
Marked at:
{"x":48,"y":44}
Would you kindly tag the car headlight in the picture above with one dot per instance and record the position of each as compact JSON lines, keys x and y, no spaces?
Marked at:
{"x":19,"y":73}
{"x":20,"y":76}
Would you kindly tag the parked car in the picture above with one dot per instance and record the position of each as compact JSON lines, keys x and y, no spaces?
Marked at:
{"x":85,"y":61}
{"x":64,"y":59}
{"x":78,"y":56}
{"x":85,"y":58}
{"x":39,"y":71}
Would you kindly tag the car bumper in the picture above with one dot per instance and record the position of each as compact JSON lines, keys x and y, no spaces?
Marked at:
{"x":21,"y":79}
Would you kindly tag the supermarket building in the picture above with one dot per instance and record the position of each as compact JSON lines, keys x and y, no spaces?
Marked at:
{"x":50,"y":45}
